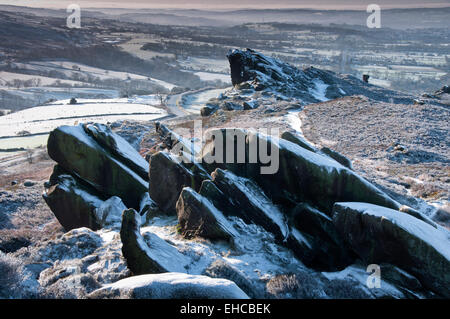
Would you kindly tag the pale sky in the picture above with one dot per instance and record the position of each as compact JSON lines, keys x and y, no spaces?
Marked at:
{"x":221,"y":4}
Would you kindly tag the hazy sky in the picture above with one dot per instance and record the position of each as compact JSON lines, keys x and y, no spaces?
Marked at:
{"x":218,"y":4}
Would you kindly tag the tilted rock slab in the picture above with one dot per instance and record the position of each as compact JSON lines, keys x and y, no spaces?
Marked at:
{"x":378,"y":235}
{"x":250,"y":203}
{"x":302,"y":175}
{"x":155,"y":257}
{"x":81,"y":155}
{"x":119,"y":148}
{"x":72,"y":203}
{"x":168,"y":176}
{"x":329,"y":250}
{"x":197,"y":216}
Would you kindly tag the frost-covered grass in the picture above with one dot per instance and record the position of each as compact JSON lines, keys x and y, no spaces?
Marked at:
{"x":10,"y":277}
{"x":302,"y":285}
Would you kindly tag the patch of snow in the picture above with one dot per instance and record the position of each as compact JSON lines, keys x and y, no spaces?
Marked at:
{"x":255,"y":252}
{"x":43,"y":119}
{"x":294,"y":120}
{"x":164,"y":253}
{"x":109,"y":213}
{"x":319,"y":91}
{"x":295,"y":123}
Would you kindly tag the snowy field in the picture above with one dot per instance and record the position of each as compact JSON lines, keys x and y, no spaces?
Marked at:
{"x":51,"y":93}
{"x":211,"y":76}
{"x":39,"y":121}
{"x":209,"y":65}
{"x":44,"y":80}
{"x":70,"y":69}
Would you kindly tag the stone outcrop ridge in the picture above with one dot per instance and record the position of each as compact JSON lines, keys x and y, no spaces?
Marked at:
{"x":94,"y":164}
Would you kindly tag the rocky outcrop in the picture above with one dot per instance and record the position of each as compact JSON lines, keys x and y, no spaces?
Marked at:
{"x":381,"y":235}
{"x":119,"y":148}
{"x":76,"y":204}
{"x":197,"y":216}
{"x":327,"y":249}
{"x":274,"y":213}
{"x":250,"y":203}
{"x":305,"y":176}
{"x":136,"y":252}
{"x":98,"y":175}
{"x":90,"y":156}
{"x":341,"y":159}
{"x":302,"y":142}
{"x":147,"y":253}
{"x":171,"y":286}
{"x":73,"y":204}
{"x":168,"y":176}
{"x":299,"y":140}
{"x":253,"y":72}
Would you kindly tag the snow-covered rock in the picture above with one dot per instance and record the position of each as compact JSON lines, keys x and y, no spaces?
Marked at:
{"x":120,"y":148}
{"x":171,"y":286}
{"x":153,"y":255}
{"x":197,"y":216}
{"x":168,"y":176}
{"x":74,"y":204}
{"x":304,"y":175}
{"x":81,"y":155}
{"x":296,"y":138}
{"x":250,"y":203}
{"x":255,"y":72}
{"x":110,"y":212}
{"x":378,"y":234}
